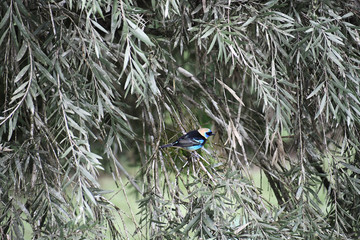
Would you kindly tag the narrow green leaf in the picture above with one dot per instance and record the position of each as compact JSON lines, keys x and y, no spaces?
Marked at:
{"x":22,"y":207}
{"x":299,"y":192}
{"x":89,"y":195}
{"x":126,"y":57}
{"x":315,"y":91}
{"x":100,"y":109}
{"x":268,"y":226}
{"x":338,"y":102}
{"x":309,"y":30}
{"x":249,"y":21}
{"x":12,"y":124}
{"x":261,"y":74}
{"x":89,"y":210}
{"x":115,"y":19}
{"x":356,"y":99}
{"x":351,"y":167}
{"x":209,"y":222}
{"x":356,"y":110}
{"x":46,"y":73}
{"x":5,"y":18}
{"x":22,"y":51}
{"x":23,"y":9}
{"x":125,"y":29}
{"x":66,"y":152}
{"x":101,"y":28}
{"x":175,"y":6}
{"x":212,"y":43}
{"x":207,"y":33}
{"x":17,"y":96}
{"x":192,"y":223}
{"x":56,"y":194}
{"x":82,"y":113}
{"x":89,"y":176}
{"x":76,"y":126}
{"x":29,"y":103}
{"x":3,"y":36}
{"x":154,"y":89}
{"x":139,"y":33}
{"x":40,"y":55}
{"x":333,"y":58}
{"x":322,"y":105}
{"x":21,"y":73}
{"x":19,"y":89}
{"x":19,"y":168}
{"x":334,"y":38}
{"x":347,"y":15}
{"x":22,"y":28}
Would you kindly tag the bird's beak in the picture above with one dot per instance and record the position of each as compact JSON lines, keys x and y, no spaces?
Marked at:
{"x":212,"y":134}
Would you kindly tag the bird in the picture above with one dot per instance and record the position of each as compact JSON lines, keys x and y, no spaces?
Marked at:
{"x":192,"y":140}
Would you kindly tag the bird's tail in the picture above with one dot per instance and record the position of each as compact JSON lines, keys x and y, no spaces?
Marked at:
{"x":167,"y":145}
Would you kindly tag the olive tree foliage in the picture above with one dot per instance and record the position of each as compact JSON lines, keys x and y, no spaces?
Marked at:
{"x":278,"y":81}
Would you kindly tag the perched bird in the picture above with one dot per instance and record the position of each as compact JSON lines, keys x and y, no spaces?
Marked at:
{"x":191,"y":141}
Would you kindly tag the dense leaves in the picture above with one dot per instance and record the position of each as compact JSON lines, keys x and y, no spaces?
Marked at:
{"x":84,"y":81}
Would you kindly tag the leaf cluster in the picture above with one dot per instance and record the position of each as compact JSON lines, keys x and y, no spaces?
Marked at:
{"x":85,"y":81}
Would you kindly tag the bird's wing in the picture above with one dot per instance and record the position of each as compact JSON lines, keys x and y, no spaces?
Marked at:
{"x":188,"y":142}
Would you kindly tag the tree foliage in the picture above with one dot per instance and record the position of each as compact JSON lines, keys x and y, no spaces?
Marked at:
{"x":277,"y":80}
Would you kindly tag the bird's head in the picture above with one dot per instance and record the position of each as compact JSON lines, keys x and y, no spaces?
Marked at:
{"x":206,"y":132}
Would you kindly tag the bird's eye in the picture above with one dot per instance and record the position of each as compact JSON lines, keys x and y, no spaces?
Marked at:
{"x":209,"y":133}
